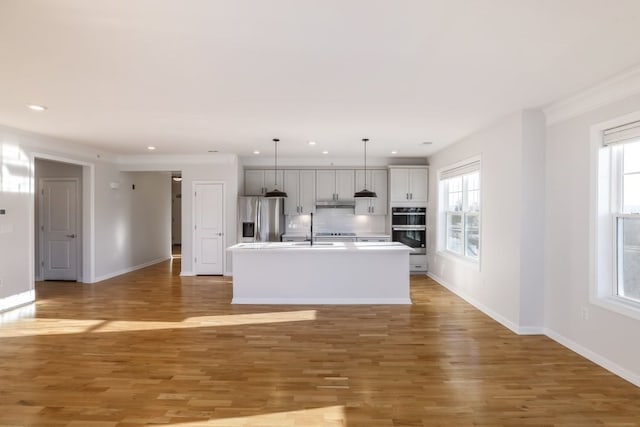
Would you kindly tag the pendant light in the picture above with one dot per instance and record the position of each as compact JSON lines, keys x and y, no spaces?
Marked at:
{"x":275,"y":193}
{"x":365,"y":193}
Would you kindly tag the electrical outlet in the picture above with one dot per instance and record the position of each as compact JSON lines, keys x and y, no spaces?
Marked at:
{"x":585,"y":313}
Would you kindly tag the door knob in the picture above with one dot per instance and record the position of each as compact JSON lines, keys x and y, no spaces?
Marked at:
{"x":73,"y":236}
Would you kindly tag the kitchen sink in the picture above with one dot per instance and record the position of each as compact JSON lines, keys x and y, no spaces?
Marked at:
{"x":314,"y":244}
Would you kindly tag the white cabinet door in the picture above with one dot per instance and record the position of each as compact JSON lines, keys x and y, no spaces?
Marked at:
{"x":325,"y":184}
{"x":300,"y":186}
{"x":292,"y":188}
{"x":399,"y":185}
{"x":259,"y":181}
{"x":270,"y":181}
{"x":345,"y":184}
{"x":363,"y":205}
{"x":418,"y":185}
{"x":408,"y":185}
{"x":307,"y":191}
{"x":378,"y":181}
{"x":254,"y":183}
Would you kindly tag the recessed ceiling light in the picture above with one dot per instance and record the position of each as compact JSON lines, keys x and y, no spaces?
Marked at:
{"x":151,"y":148}
{"x":325,"y":152}
{"x":256,"y":152}
{"x":394,"y":152}
{"x":36,"y":107}
{"x":312,"y":143}
{"x":213,"y":151}
{"x":426,"y":143}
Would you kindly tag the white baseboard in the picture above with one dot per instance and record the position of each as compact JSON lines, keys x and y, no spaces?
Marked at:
{"x":486,"y":310}
{"x":526,"y":330}
{"x":607,"y":364}
{"x":129,"y":270}
{"x":187,"y":273}
{"x":13,"y":301}
{"x":228,"y":273}
{"x":321,"y":301}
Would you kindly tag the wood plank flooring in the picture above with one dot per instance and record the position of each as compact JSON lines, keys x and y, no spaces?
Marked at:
{"x":152,"y":348}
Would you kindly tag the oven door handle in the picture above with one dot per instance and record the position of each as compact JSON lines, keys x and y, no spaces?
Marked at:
{"x":408,"y":228}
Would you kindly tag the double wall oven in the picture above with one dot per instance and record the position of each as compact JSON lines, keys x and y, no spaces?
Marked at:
{"x":409,"y":226}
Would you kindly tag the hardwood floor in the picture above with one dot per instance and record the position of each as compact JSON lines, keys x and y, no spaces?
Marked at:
{"x":151,"y":347}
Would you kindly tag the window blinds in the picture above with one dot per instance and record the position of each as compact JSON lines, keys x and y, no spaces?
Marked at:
{"x":620,"y":134}
{"x":460,"y":170}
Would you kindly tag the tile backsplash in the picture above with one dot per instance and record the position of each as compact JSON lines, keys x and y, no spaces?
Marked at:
{"x":336,"y":220}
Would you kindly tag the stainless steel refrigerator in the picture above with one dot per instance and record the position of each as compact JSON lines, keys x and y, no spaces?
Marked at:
{"x":260,"y":219}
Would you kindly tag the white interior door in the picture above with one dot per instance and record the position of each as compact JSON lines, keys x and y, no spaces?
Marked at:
{"x":208,"y":228}
{"x":59,"y":227}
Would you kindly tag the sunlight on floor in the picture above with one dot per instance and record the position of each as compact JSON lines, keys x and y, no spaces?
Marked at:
{"x":26,"y":311}
{"x":330,"y":416}
{"x":35,"y":326}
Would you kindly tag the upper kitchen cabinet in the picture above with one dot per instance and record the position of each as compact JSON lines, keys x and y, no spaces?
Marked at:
{"x":335,"y":184}
{"x":376,"y":182}
{"x":300,"y":186}
{"x":259,"y":181}
{"x":408,"y":185}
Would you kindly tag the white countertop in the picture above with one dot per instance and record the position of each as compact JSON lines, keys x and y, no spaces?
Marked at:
{"x":364,"y":234}
{"x":321,"y":246}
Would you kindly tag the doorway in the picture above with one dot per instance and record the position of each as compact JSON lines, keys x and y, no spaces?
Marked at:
{"x":58,"y":220}
{"x":176,"y":215}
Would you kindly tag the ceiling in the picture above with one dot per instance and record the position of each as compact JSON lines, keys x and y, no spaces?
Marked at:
{"x":190,"y":76}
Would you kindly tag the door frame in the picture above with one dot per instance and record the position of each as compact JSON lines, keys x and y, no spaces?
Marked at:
{"x":87,"y":271}
{"x":77,"y":242}
{"x":194,"y":243}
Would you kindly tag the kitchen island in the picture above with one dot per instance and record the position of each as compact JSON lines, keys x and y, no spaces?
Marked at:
{"x":322,"y":273}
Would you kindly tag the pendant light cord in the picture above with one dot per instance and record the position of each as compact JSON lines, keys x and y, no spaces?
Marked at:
{"x":275,"y":179}
{"x":365,"y":161}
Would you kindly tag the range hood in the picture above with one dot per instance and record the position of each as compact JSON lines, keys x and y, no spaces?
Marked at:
{"x":335,"y":204}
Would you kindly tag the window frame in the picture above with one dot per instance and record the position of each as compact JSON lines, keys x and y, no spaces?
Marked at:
{"x":459,"y":170}
{"x":606,"y":209}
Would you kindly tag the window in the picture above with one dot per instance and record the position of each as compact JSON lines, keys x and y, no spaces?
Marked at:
{"x":460,"y":190}
{"x":618,"y":218}
{"x":626,"y":209}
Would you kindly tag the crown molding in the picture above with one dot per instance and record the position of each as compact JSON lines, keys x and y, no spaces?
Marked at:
{"x":611,"y":90}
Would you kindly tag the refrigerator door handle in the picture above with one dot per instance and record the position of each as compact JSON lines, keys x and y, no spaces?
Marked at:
{"x":258,"y":227}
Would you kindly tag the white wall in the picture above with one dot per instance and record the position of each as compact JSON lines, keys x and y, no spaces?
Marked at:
{"x":608,"y":338}
{"x":104,"y":211}
{"x":504,"y":276}
{"x":16,"y":226}
{"x":532,"y":221}
{"x":135,"y":224}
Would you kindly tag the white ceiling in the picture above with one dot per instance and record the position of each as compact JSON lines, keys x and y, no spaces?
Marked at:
{"x":188,"y":76}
